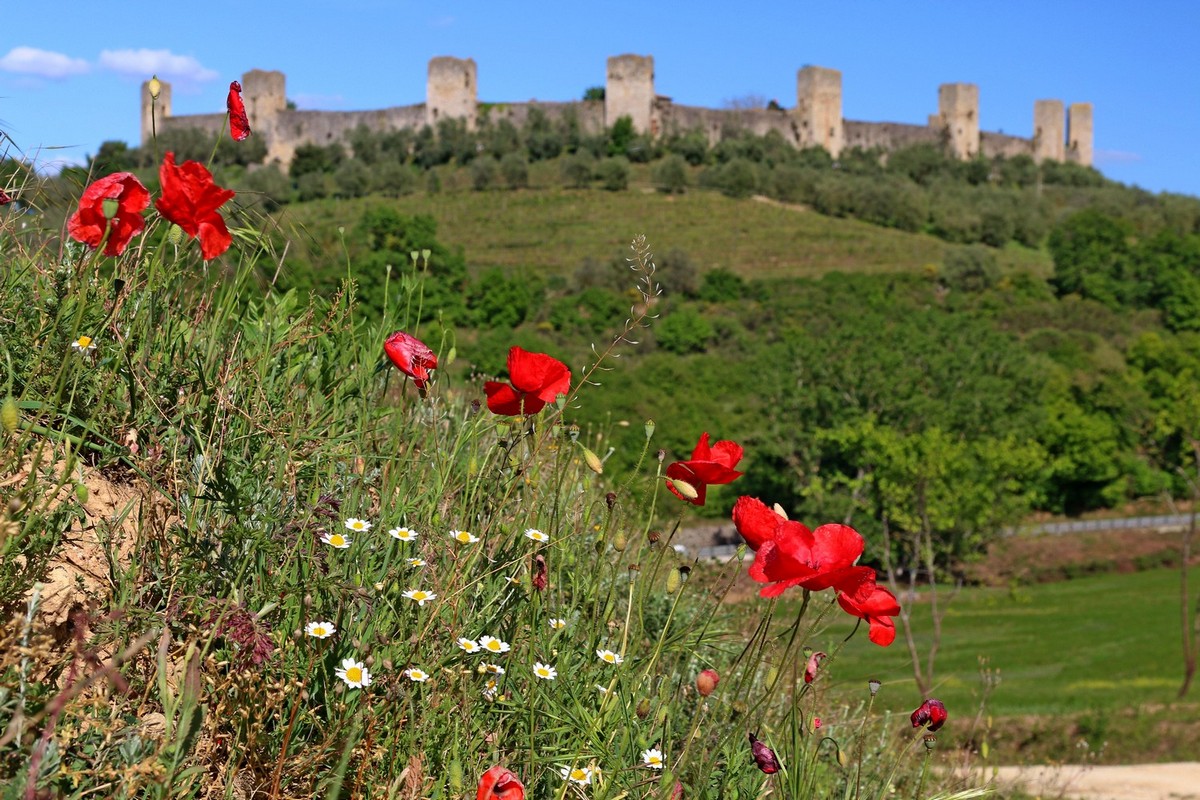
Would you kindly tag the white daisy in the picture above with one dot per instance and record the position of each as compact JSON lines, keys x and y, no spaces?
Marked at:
{"x":84,"y":344}
{"x":653,"y":758}
{"x":493,"y":645}
{"x":416,"y":675}
{"x":491,"y":689}
{"x":492,"y":669}
{"x":536,"y":535}
{"x":464,"y":537}
{"x":320,"y":630}
{"x":609,"y":657}
{"x":467,"y":645}
{"x":354,"y":673}
{"x":420,"y":595}
{"x":335,"y":540}
{"x":544,"y":671}
{"x":358,"y":525}
{"x":579,"y":775}
{"x":557,"y":624}
{"x":403,"y":534}
{"x":416,"y":562}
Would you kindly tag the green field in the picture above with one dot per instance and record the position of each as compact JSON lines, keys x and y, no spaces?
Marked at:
{"x":1099,"y":643}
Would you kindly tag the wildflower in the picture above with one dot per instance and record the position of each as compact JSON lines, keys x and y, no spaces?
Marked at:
{"x":416,"y":675}
{"x":492,"y":669}
{"x":810,"y":669}
{"x":84,"y":344}
{"x":358,"y":525}
{"x":557,"y":624}
{"x":379,"y":586}
{"x":579,"y":775}
{"x":239,"y":124}
{"x":320,"y":630}
{"x":931,"y":713}
{"x":491,"y":689}
{"x":411,"y":356}
{"x":541,"y":577}
{"x":544,"y":671}
{"x":536,"y":535}
{"x":499,"y":783}
{"x":420,"y":595}
{"x":403,"y":534}
{"x":706,"y":682}
{"x":535,"y":379}
{"x":464,"y":537}
{"x":5,"y":198}
{"x":89,"y":223}
{"x":609,"y":657}
{"x":354,"y":673}
{"x":866,"y":600}
{"x":335,"y":540}
{"x":788,"y":554}
{"x":653,"y":758}
{"x":514,"y":580}
{"x":764,"y":757}
{"x":190,"y":199}
{"x":601,"y":689}
{"x":816,"y":723}
{"x":493,"y":645}
{"x":416,"y":562}
{"x":708,"y":465}
{"x":467,"y":645}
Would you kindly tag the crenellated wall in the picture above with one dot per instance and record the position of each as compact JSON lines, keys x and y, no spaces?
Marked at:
{"x":815,"y":121}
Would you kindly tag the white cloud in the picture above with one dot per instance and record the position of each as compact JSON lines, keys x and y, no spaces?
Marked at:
{"x":42,"y":63}
{"x":143,"y":63}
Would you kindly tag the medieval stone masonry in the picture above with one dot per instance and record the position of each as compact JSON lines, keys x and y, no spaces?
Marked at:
{"x":816,"y":119}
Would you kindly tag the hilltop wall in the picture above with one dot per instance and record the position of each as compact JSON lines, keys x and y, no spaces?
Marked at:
{"x":815,"y":120}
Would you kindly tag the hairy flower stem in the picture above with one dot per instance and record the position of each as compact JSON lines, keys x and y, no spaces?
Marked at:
{"x":862,"y":727}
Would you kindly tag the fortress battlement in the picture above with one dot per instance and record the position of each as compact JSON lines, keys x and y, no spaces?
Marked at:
{"x":815,"y":121}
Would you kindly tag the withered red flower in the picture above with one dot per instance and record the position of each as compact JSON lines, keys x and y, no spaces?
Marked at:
{"x":541,"y":576}
{"x":535,"y":379}
{"x":931,"y":713}
{"x":190,"y":199}
{"x":5,"y":198}
{"x":814,"y":663}
{"x":764,"y":757}
{"x":411,"y":356}
{"x":788,"y":554}
{"x":124,"y":220}
{"x":500,"y":783}
{"x":706,"y":682}
{"x":708,"y":465}
{"x":239,"y":123}
{"x":866,"y":600}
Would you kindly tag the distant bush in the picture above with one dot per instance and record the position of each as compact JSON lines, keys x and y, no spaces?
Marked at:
{"x":394,"y":179}
{"x":721,"y":285}
{"x":483,"y":173}
{"x":671,"y":175}
{"x":542,"y":139}
{"x":352,"y":179}
{"x":315,"y":186}
{"x":515,"y":171}
{"x":311,"y":158}
{"x":970,"y":269}
{"x":692,"y":145}
{"x":735,"y":178}
{"x":273,"y":185}
{"x":614,"y":173}
{"x":683,"y":331}
{"x":578,"y":170}
{"x":793,"y":183}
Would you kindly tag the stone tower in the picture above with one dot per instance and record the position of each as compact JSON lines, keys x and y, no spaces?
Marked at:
{"x":1048,"y":139}
{"x":629,"y":91}
{"x":159,"y":108}
{"x":452,"y":91}
{"x":1079,"y":133}
{"x":265,"y":95}
{"x":958,"y":113}
{"x":819,"y":109}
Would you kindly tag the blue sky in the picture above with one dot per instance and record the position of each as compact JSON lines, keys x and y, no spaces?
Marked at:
{"x":69,"y":79}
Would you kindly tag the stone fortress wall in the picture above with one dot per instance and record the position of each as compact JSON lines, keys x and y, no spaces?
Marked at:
{"x":816,"y":119}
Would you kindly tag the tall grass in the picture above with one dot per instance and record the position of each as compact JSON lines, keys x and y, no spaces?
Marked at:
{"x":272,"y":521}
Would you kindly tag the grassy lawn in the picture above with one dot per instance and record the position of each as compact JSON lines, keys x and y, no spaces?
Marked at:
{"x":1093,"y":644}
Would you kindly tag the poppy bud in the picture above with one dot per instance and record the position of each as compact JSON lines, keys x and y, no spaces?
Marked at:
{"x":810,"y":670}
{"x":706,"y":682}
{"x":684,"y":489}
{"x":649,"y":428}
{"x":816,"y":723}
{"x":9,"y":415}
{"x":175,"y":234}
{"x":593,"y":461}
{"x":673,"y":581}
{"x":764,"y":757}
{"x":643,"y":708}
{"x":619,"y":542}
{"x":931,"y":713}
{"x":308,"y":601}
{"x":154,"y":86}
{"x":842,"y":759}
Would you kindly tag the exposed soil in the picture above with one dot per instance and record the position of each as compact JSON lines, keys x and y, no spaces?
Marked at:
{"x":1179,"y":781}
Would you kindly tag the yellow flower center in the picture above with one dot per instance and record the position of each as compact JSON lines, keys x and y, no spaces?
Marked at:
{"x":319,"y":631}
{"x":84,"y":341}
{"x":578,"y":774}
{"x":337,"y":540}
{"x":354,"y":675}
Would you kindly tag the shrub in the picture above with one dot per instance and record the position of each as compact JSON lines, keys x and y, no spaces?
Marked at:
{"x":515,"y":171}
{"x":721,"y":285}
{"x":310,"y":158}
{"x":352,"y":179}
{"x":735,"y":178}
{"x":315,"y":186}
{"x":271,"y":183}
{"x":395,"y":179}
{"x":671,"y":175}
{"x":483,"y":173}
{"x":683,"y":331}
{"x":692,"y":145}
{"x":614,"y":173}
{"x":577,"y":171}
{"x":970,"y":269}
{"x":620,"y":135}
{"x":792,"y":183}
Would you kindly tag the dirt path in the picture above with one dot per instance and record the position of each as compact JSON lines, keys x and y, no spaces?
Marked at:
{"x":1179,"y":781}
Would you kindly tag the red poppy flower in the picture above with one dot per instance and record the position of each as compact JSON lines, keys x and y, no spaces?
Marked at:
{"x":932,"y":713}
{"x":708,"y":465}
{"x":88,"y":224}
{"x":535,"y":379}
{"x":866,"y":600}
{"x":411,"y":356}
{"x":500,"y":783}
{"x":541,"y":577}
{"x":764,"y":757}
{"x":190,"y":199}
{"x":5,"y":198}
{"x":239,"y":123}
{"x":814,"y":663}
